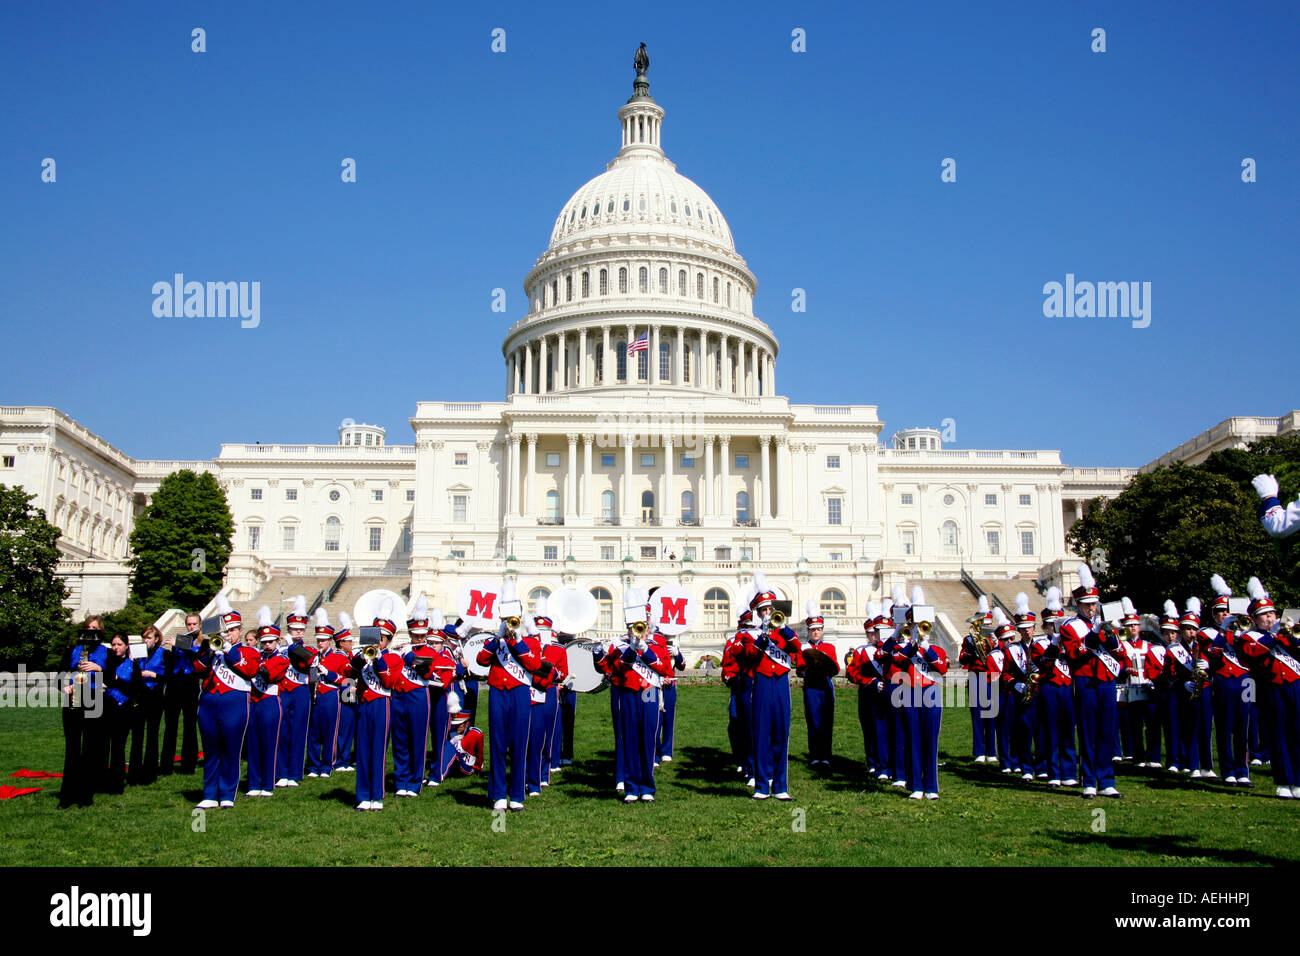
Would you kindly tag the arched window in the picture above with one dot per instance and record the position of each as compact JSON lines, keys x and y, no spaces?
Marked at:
{"x":568,"y":288}
{"x":717,"y":609}
{"x":607,"y":506}
{"x":533,"y":595}
{"x":605,"y":605}
{"x":742,"y":507}
{"x":728,"y":295}
{"x":586,"y":284}
{"x":643,"y":278}
{"x":600,"y":365}
{"x":948,"y":538}
{"x":686,"y":367}
{"x":555,"y":292}
{"x":688,"y":506}
{"x":699,"y":285}
{"x":665,"y":362}
{"x":715,"y":290}
{"x":647,"y":507}
{"x":333,"y":531}
{"x":622,"y":279}
{"x":663,"y":281}
{"x":620,"y":351}
{"x":833,"y":603}
{"x":681,"y":282}
{"x":552,"y":505}
{"x":604,"y":280}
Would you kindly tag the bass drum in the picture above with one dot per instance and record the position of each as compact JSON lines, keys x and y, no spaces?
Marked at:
{"x":469,"y":656}
{"x":583,"y":676}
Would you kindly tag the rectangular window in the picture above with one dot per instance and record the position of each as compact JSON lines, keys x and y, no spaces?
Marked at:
{"x":688,"y":552}
{"x":606,"y":461}
{"x":406,"y":540}
{"x":647,"y":461}
{"x":665,"y":364}
{"x":291,"y":494}
{"x":833,"y":510}
{"x":746,"y":554}
{"x":1026,"y":542}
{"x":550,"y":552}
{"x":909,"y":542}
{"x":462,"y":458}
{"x":832,"y":462}
{"x":376,"y":538}
{"x":9,"y":461}
{"x":721,"y":554}
{"x":905,"y":498}
{"x":552,"y":459}
{"x":459,"y":507}
{"x":290,"y":536}
{"x":410,"y":494}
{"x":458,"y":553}
{"x":378,"y":494}
{"x":742,"y":461}
{"x":649,"y":552}
{"x":687,"y":461}
{"x":836,"y":555}
{"x":254,"y":537}
{"x":607,"y":552}
{"x":1024,"y":500}
{"x":994,"y":542}
{"x":991,"y":500}
{"x":255,"y":494}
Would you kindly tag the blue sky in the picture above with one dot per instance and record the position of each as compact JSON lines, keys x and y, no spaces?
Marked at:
{"x":924,"y":298}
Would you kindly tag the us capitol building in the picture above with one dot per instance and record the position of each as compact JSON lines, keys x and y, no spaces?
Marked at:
{"x":676,"y":461}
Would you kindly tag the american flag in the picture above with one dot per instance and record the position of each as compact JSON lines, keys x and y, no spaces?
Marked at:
{"x":640,"y":345}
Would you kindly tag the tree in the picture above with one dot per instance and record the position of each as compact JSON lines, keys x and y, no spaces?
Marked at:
{"x":32,"y":616}
{"x":1275,"y":455}
{"x":1169,"y":530}
{"x":180,"y":544}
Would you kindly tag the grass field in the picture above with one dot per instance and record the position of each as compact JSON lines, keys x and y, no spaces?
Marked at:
{"x":703,"y":814}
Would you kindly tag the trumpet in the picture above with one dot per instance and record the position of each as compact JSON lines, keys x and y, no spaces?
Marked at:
{"x":777,"y":620}
{"x":217,"y":644}
{"x":370,"y":651}
{"x":639,"y":628}
{"x":513,"y":624}
{"x":923,"y":628}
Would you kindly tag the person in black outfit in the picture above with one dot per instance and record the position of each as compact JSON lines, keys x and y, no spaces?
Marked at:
{"x":148,"y":714}
{"x":85,"y":735}
{"x":180,"y":703}
{"x":123,"y":684}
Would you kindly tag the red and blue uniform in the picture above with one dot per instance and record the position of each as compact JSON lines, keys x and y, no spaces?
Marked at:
{"x":896,"y":753}
{"x":1180,"y":671}
{"x":375,"y":681}
{"x":512,"y":659}
{"x":326,"y":712}
{"x":920,"y":669}
{"x":444,"y":671}
{"x":739,"y":678}
{"x":295,"y":707}
{"x":223,"y":714}
{"x":636,"y":677}
{"x":1228,"y":673}
{"x":544,"y":716}
{"x":410,"y":715}
{"x":1278,"y":656}
{"x":265,"y":717}
{"x":668,"y":719}
{"x":983,"y":675}
{"x":771,"y":655}
{"x":1055,"y":710}
{"x":818,"y":665}
{"x":861,"y":667}
{"x":1091,"y":655}
{"x":1016,"y":667}
{"x":461,"y":755}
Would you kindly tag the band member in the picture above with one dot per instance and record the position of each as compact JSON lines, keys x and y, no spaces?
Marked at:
{"x":123,"y":685}
{"x":330,"y":668}
{"x":265,"y":714}
{"x":738,"y":676}
{"x":818,"y":665}
{"x":920,"y":694}
{"x":563,"y":755}
{"x":771,"y":654}
{"x":544,"y":717}
{"x":1187,"y":675}
{"x":1191,"y":619}
{"x":1090,"y":651}
{"x":1167,"y":696}
{"x":345,"y":748}
{"x":1055,"y":700}
{"x":375,"y":672}
{"x":1026,"y":621}
{"x":226,"y":674}
{"x":295,"y":699}
{"x":1016,"y":679}
{"x":668,"y":719}
{"x":445,"y":670}
{"x":410,"y":706}
{"x":180,"y":702}
{"x":1276,"y":649}
{"x":461,"y":754}
{"x":894,"y":637}
{"x":148,"y":713}
{"x":1139,"y":716}
{"x":974,"y":656}
{"x":1278,"y":521}
{"x":862,"y":667}
{"x":1228,"y":673}
{"x":85,"y":731}
{"x":512,"y":658}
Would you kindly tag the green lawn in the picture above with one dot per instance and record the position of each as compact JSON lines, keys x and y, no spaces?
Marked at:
{"x":703,"y":814}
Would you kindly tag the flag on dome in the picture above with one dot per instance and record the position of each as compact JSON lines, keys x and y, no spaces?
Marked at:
{"x":642,"y":344}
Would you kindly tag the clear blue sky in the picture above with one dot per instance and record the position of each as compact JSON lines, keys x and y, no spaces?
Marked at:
{"x":924,"y":298}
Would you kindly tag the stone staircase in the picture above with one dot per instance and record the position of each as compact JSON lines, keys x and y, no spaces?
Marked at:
{"x":353,"y":588}
{"x":270,"y":595}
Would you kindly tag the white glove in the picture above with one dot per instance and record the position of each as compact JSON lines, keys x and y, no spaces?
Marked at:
{"x":1265,"y":486}
{"x":1202,"y":665}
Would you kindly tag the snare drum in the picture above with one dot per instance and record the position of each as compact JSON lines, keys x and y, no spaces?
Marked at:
{"x":469,"y":656}
{"x":583,"y":676}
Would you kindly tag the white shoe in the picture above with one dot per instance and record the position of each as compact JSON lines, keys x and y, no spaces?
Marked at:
{"x":431,"y":783}
{"x":363,"y":805}
{"x":916,"y":795}
{"x":1229,"y":779}
{"x":350,"y":768}
{"x":630,"y":798}
{"x":647,"y":798}
{"x":783,"y":795}
{"x":1071,"y":782}
{"x":981,"y":759}
{"x":758,"y":796}
{"x":1257,"y":762}
{"x":1173,"y":768}
{"x":1210,"y":774}
{"x":534,"y":793}
{"x":1196,"y":775}
{"x":516,"y":806}
{"x":1026,"y":776}
{"x":501,"y":805}
{"x":313,"y":774}
{"x":666,"y":758}
{"x":749,"y":782}
{"x":993,"y":761}
{"x":377,"y":805}
{"x":266,"y":793}
{"x":1141,"y":764}
{"x":882,"y":776}
{"x":282,"y":782}
{"x":618,"y":787}
{"x":656,"y":765}
{"x":253,"y":793}
{"x":1053,"y":783}
{"x":1089,"y":791}
{"x":1111,"y":792}
{"x":1244,"y":782}
{"x":1285,"y":793}
{"x":1042,"y":776}
{"x":227,"y":804}
{"x":1006,"y":769}
{"x":932,"y":796}
{"x":899,"y":783}
{"x":206,"y":805}
{"x":1116,"y":759}
{"x":291,"y":783}
{"x":406,"y":793}
{"x":545,"y":783}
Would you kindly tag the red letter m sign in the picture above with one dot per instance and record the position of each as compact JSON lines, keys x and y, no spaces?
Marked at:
{"x":674,"y":611}
{"x":480,"y":604}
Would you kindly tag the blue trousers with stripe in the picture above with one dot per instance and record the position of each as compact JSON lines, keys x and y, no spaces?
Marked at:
{"x":440,"y":719}
{"x":323,"y":741}
{"x":263,"y":739}
{"x":1097,"y":712}
{"x":638,"y":729}
{"x":1284,"y":707}
{"x":819,"y":712}
{"x":346,"y":750}
{"x":871,"y":716}
{"x":1230,"y":726}
{"x":667,"y":722}
{"x":921,"y":718}
{"x":508,"y":720}
{"x":410,"y":738}
{"x":771,"y":733}
{"x":897,"y":745}
{"x":372,"y":748}
{"x":542,"y":719}
{"x":740,"y":726}
{"x":223,"y":720}
{"x":1056,"y":731}
{"x":983,"y":726}
{"x":295,"y":716}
